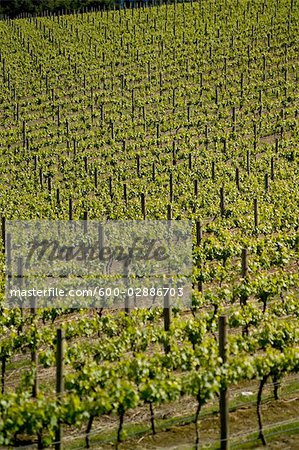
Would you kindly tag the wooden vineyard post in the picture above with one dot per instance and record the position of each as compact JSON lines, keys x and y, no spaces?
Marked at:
{"x":223,"y":399}
{"x":169,"y":212}
{"x":248,"y":161}
{"x":110,"y":188}
{"x":102,"y":112}
{"x":198,"y":233}
{"x":173,"y":99}
{"x":70,"y":208}
{"x":170,"y":187}
{"x":85,"y":219}
{"x":272,"y":168}
{"x":255,"y":138}
{"x":238,"y":178}
{"x":222,"y":202}
{"x":96,"y":178}
{"x":6,"y":249}
{"x":234,"y":119}
{"x":41,"y":177}
{"x":158,"y":132}
{"x":166,"y":312}
{"x":166,"y":317}
{"x":244,"y":262}
{"x":49,"y":184}
{"x":143,"y":205}
{"x":198,"y":242}
{"x":58,"y":116}
{"x":74,"y":147}
{"x":161,"y":83}
{"x":34,"y":358}
{"x":57,"y":197}
{"x":112,"y":129}
{"x":17,"y":112}
{"x":173,"y":153}
{"x":23,"y":133}
{"x":153,"y":172}
{"x":133,"y":104}
{"x":125,"y":195}
{"x":266,"y":182}
{"x":20,"y":272}
{"x":59,"y":382}
{"x":242,"y":85}
{"x":256,"y":213}
{"x":166,"y":298}
{"x":101,"y":247}
{"x":213,"y":170}
{"x":126,"y":273}
{"x":195,"y":195}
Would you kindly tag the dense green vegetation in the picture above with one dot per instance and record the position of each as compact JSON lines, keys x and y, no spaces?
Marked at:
{"x":193,"y":106}
{"x":13,"y":8}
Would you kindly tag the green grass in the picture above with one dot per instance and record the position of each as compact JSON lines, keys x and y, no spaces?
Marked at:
{"x":137,"y":430}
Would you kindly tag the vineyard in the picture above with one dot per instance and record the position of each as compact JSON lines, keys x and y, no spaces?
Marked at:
{"x":182,"y":111}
